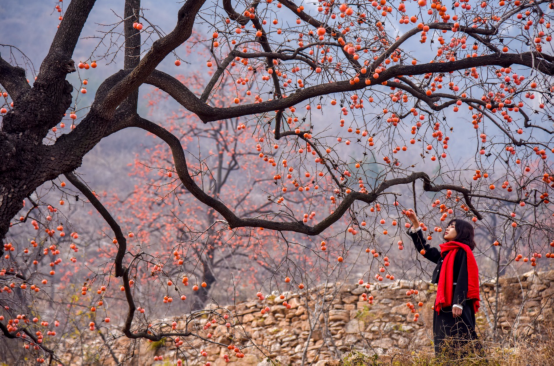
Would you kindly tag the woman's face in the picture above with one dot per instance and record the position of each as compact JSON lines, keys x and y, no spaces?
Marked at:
{"x":450,"y":232}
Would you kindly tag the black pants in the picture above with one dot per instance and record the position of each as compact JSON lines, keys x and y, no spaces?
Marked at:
{"x":455,"y":337}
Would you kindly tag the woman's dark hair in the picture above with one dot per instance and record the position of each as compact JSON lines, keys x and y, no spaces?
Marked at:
{"x":464,"y":232}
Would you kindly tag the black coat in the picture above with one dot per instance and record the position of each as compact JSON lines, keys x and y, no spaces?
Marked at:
{"x":445,"y":325}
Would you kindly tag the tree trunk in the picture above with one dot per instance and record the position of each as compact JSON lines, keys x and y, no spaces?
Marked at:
{"x":11,"y":201}
{"x":201,"y":296}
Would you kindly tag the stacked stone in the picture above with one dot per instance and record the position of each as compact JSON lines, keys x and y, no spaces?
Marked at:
{"x":324,"y":324}
{"x":524,"y":303}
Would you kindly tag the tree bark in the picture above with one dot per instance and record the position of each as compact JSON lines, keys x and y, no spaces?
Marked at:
{"x":201,"y":296}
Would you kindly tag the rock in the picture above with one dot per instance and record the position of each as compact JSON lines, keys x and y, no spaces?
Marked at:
{"x":532,"y":304}
{"x":211,"y":306}
{"x":294,"y":303}
{"x":283,"y":323}
{"x":538,"y":287}
{"x":389,"y":327}
{"x":322,"y":363}
{"x":358,"y":290}
{"x":301,"y":310}
{"x":341,"y":315}
{"x":269,"y":321}
{"x":548,"y":276}
{"x":220,"y":330}
{"x":548,"y":293}
{"x":528,"y":275}
{"x":350,"y":299}
{"x":220,"y":362}
{"x":382,"y":343}
{"x":354,"y":326}
{"x":401,"y":309}
{"x":406,"y":328}
{"x":403,"y":342}
{"x":524,"y":319}
{"x":406,"y":284}
{"x":317,"y":335}
{"x":275,"y":347}
{"x":352,"y":338}
{"x":278,"y":309}
{"x":249,"y":359}
{"x":282,"y":359}
{"x":304,"y":326}
{"x":289,"y":337}
{"x":248,"y":311}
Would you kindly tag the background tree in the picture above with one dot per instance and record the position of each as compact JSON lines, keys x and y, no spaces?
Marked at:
{"x":181,"y":231}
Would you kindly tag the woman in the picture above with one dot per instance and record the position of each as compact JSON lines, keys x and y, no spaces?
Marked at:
{"x":457,"y":279}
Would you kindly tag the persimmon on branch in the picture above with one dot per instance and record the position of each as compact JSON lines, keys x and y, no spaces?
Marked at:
{"x":6,"y":332}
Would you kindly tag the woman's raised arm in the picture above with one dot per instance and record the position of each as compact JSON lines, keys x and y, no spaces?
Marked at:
{"x":416,"y":233}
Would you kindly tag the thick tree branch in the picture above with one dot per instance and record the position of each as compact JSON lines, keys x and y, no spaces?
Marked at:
{"x":207,"y":113}
{"x":121,"y":240}
{"x":58,"y":62}
{"x":233,"y":15}
{"x":70,"y":27}
{"x":42,"y":107}
{"x":12,"y":78}
{"x":298,"y":226}
{"x":160,"y":49}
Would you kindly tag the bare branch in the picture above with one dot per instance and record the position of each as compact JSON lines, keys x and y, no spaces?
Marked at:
{"x":121,"y":240}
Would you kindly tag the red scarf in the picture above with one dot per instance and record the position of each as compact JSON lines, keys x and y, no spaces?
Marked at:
{"x":445,"y":286}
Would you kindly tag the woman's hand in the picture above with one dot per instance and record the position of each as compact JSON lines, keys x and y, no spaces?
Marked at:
{"x":456,"y":312}
{"x":412,"y":217}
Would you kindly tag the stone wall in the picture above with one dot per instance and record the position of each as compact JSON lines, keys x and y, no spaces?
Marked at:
{"x":325,"y":324}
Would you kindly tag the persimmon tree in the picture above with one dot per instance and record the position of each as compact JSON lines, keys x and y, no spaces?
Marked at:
{"x":342,"y":103}
{"x":192,"y":241}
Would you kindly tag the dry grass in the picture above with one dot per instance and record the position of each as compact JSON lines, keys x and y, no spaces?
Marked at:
{"x":537,"y":350}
